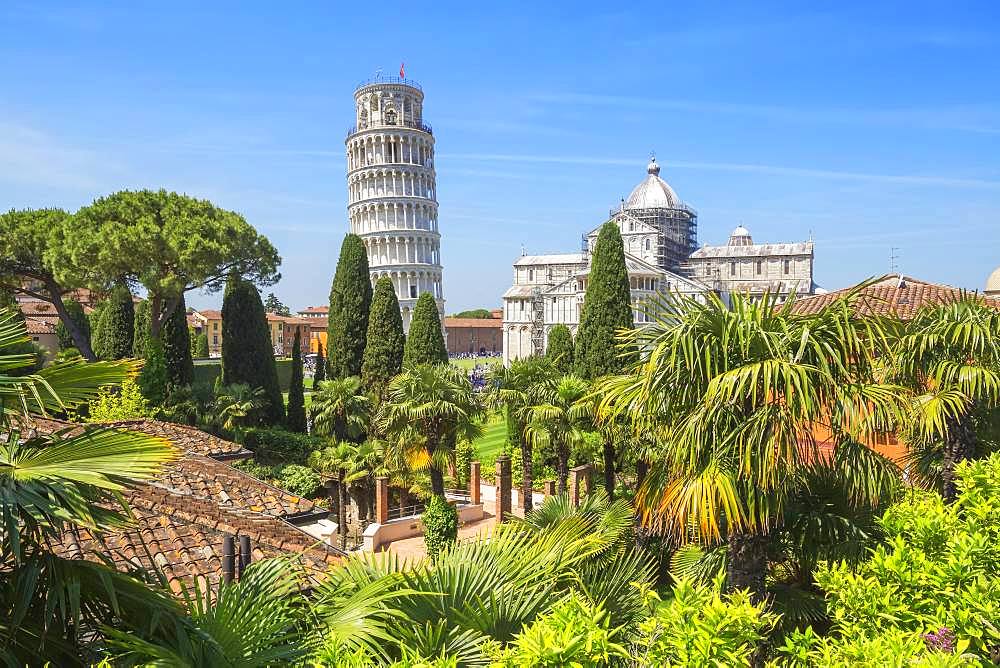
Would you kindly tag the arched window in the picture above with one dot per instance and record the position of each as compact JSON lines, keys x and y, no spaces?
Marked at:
{"x":647,"y":244}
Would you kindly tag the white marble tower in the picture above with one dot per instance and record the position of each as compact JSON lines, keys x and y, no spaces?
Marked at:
{"x":391,"y":189}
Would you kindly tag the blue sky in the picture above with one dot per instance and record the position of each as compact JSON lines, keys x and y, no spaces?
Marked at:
{"x":867,"y":125}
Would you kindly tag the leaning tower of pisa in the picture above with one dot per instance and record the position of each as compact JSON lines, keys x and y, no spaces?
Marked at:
{"x":392,"y":196}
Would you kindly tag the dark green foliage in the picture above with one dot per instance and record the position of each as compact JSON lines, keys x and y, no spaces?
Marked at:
{"x":350,"y":300}
{"x":295,"y":420}
{"x":560,"y":349}
{"x":247,"y":354}
{"x":440,"y":526}
{"x":273,"y":305}
{"x":201,"y":346}
{"x":384,"y":351}
{"x":140,"y":336}
{"x":273,"y":445}
{"x":607,"y":307}
{"x":13,"y":312}
{"x":113,"y":339}
{"x":476,"y":313}
{"x":153,"y":377}
{"x":425,"y":341}
{"x":75,"y":312}
{"x":320,"y":375}
{"x":177,"y":347}
{"x":300,"y":480}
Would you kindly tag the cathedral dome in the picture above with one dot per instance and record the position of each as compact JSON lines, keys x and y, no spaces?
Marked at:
{"x":653,"y":192}
{"x":993,"y":283}
{"x":740,"y":237}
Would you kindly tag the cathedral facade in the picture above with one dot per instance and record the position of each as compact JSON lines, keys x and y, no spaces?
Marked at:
{"x":660,"y":236}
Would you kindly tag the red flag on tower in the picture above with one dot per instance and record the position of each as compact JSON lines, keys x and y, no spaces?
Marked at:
{"x":401,"y":74}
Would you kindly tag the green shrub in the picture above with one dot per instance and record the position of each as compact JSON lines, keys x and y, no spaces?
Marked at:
{"x":934,"y":584}
{"x":153,"y":377}
{"x":119,"y":403}
{"x":440,"y":526}
{"x":260,"y":471}
{"x":575,"y":633}
{"x":699,"y":627}
{"x":465,"y":453}
{"x":274,"y":445}
{"x":208,"y":372}
{"x":299,"y":480}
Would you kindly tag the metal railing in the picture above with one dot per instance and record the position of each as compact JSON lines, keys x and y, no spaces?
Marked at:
{"x":423,"y":127}
{"x":388,"y":79}
{"x":406,"y":511}
{"x":458,"y":494}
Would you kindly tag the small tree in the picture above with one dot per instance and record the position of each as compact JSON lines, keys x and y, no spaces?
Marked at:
{"x":320,"y":374}
{"x":350,"y":301}
{"x":440,"y":522}
{"x":152,"y":379}
{"x":295,"y":419}
{"x":177,"y":347}
{"x":425,"y":341}
{"x":247,"y":353}
{"x":560,"y":349}
{"x":273,"y":305}
{"x":383,"y":359}
{"x":79,"y":323}
{"x":607,"y":309}
{"x":140,"y":336}
{"x":201,"y":346}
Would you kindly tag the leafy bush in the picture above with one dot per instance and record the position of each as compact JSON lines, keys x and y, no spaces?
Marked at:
{"x":574,"y":633}
{"x":932,"y":592}
{"x":700,"y":627}
{"x":153,"y":377}
{"x":119,"y":403}
{"x":275,"y":445}
{"x":257,"y":470}
{"x":299,"y":480}
{"x":466,"y":452}
{"x":440,"y":526}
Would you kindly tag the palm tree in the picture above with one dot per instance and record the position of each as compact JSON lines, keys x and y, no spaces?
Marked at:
{"x":516,"y":388}
{"x":949,"y":356}
{"x":561,"y":420}
{"x":341,"y":409}
{"x":343,"y":459}
{"x":735,"y":397}
{"x":434,"y":405}
{"x":237,"y":407}
{"x":49,"y":485}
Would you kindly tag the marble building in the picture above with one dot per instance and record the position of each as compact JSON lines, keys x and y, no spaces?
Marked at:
{"x":660,"y":236}
{"x":391,"y":185}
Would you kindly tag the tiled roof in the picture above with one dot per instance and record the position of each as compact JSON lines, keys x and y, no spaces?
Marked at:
{"x":491,"y":323}
{"x":209,"y":314}
{"x":899,"y":296}
{"x":753,"y":250}
{"x":39,"y":326}
{"x":182,"y":514}
{"x":316,"y":309}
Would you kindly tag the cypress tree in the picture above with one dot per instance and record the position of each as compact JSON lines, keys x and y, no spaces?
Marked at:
{"x":425,"y":342}
{"x":201,"y":346}
{"x":607,"y":307}
{"x":320,"y":374}
{"x":560,"y":349}
{"x":350,"y":300}
{"x":77,"y":315}
{"x":177,"y":347}
{"x":113,"y":338}
{"x":296,"y":418}
{"x":247,"y":354}
{"x":384,"y":350}
{"x":140,"y":337}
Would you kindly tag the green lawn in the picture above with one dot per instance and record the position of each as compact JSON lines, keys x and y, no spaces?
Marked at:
{"x":306,"y":394}
{"x":468,"y":362}
{"x":491,"y":442}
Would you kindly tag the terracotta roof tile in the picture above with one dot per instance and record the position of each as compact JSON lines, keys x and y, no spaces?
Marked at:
{"x":485,"y":323}
{"x":899,"y":296}
{"x":39,"y":326}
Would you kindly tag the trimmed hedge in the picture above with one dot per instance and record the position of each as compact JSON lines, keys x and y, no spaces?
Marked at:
{"x":274,"y":445}
{"x":206,"y":372}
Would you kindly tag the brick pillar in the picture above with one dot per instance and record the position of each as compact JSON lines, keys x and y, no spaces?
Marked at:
{"x":503,"y":488}
{"x":574,"y":487}
{"x":381,"y":500}
{"x":549,"y":486}
{"x":474,"y":491}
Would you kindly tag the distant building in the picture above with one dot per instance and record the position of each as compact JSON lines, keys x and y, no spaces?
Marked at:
{"x":282,"y":330}
{"x":474,"y":336}
{"x":993,"y":283}
{"x":741,"y":266}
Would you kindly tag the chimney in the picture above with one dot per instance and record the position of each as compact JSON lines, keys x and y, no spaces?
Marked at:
{"x":228,"y":558}
{"x":246,"y":555}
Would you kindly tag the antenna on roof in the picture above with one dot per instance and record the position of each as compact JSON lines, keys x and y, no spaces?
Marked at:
{"x":893,"y":260}
{"x":523,"y":252}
